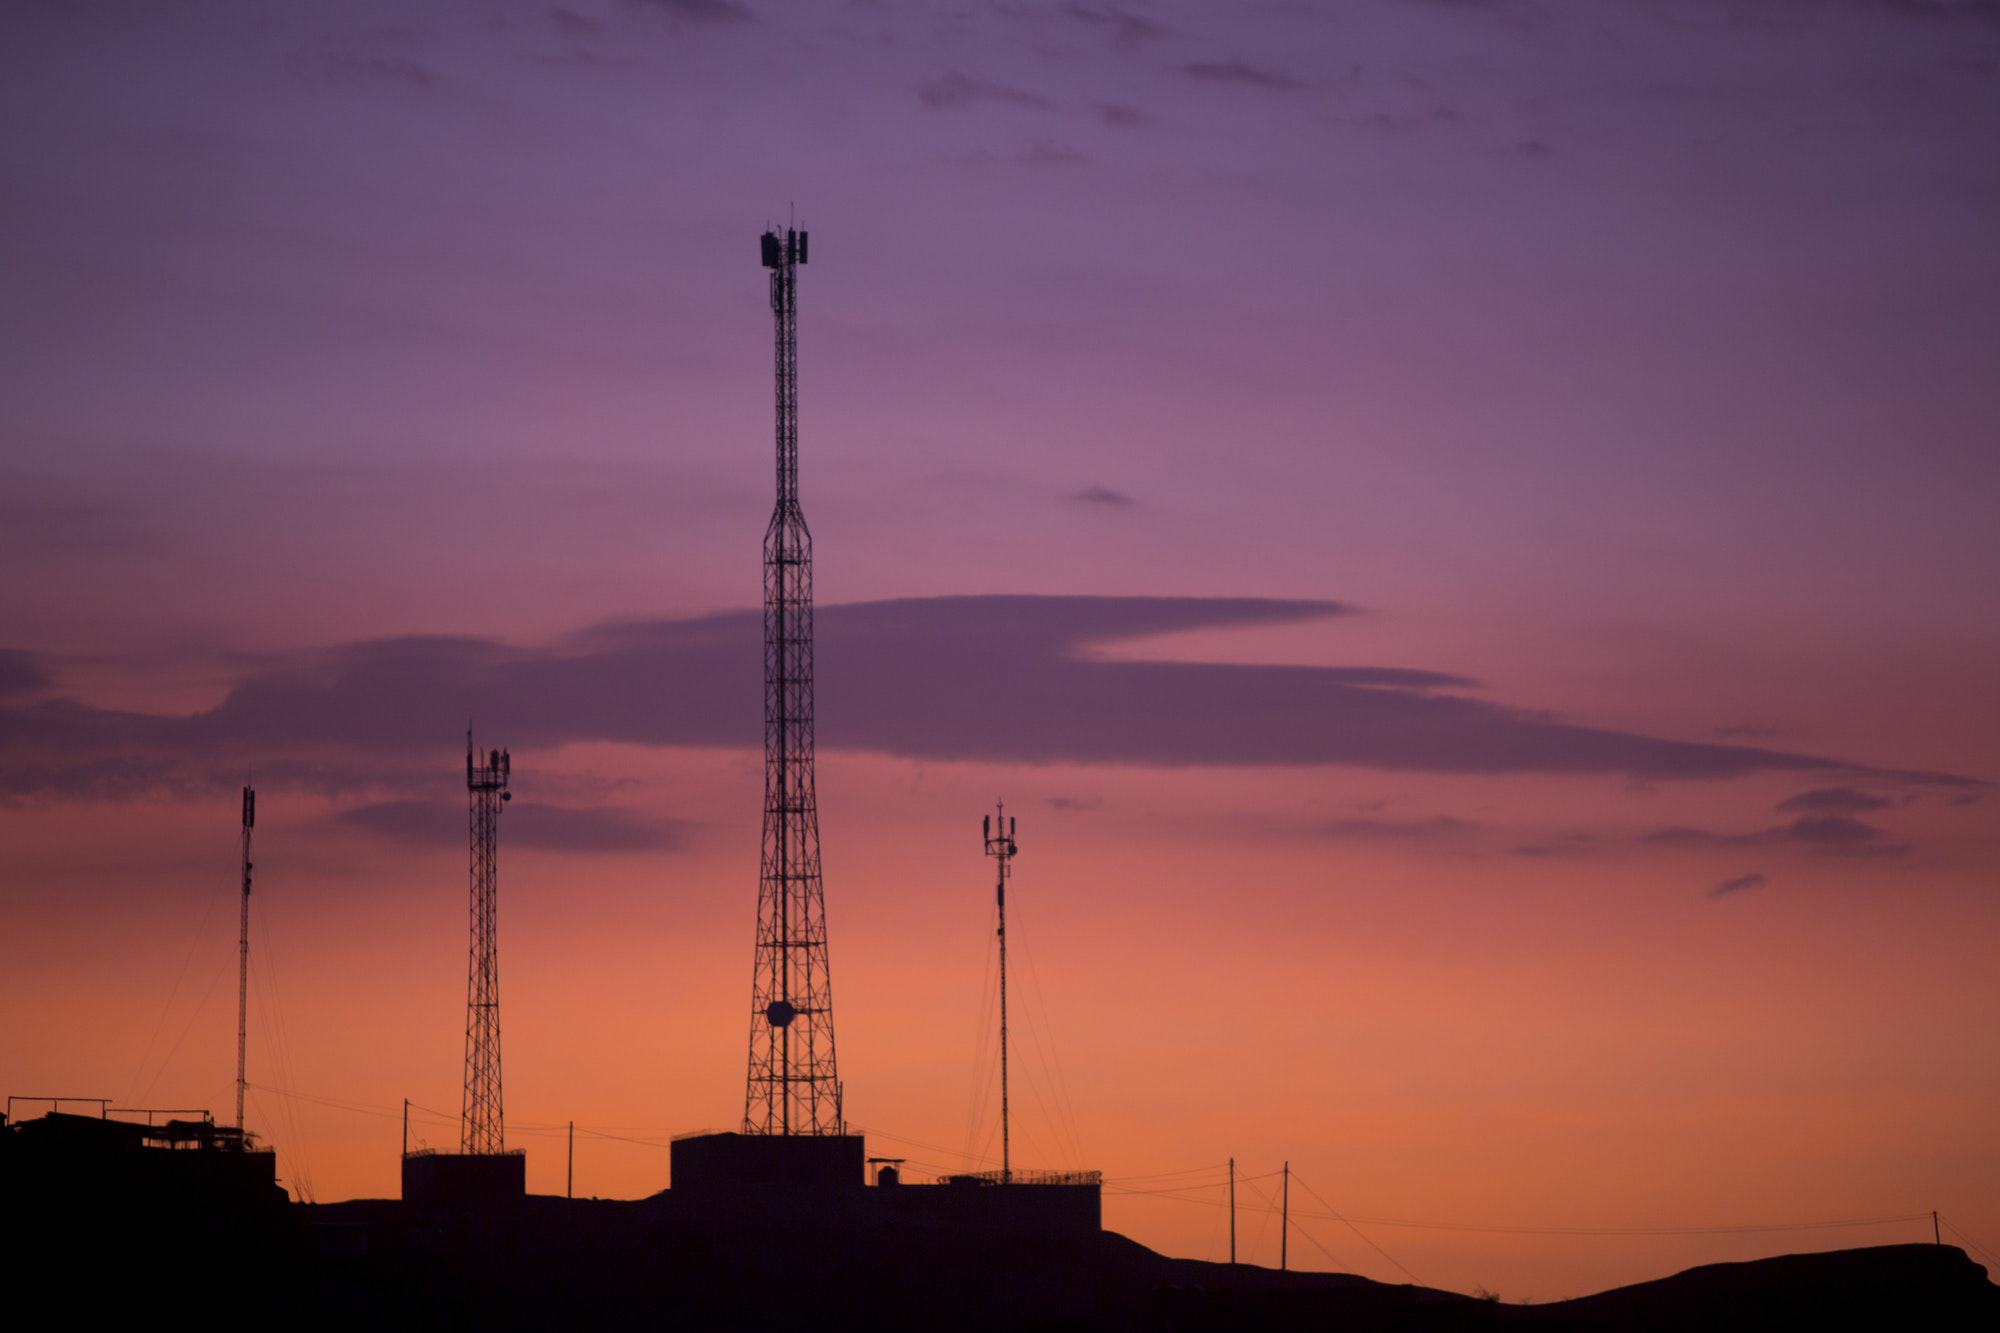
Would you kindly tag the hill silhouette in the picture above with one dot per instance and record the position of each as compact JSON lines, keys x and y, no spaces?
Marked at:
{"x":1885,"y":1287}
{"x":104,"y":1223}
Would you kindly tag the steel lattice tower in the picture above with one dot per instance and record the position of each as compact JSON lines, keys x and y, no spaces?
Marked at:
{"x":243,"y":963}
{"x":793,"y":1085}
{"x":483,"y":1127}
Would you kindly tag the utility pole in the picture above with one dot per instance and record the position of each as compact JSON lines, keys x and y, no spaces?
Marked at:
{"x":793,"y":1085}
{"x":1000,"y":846}
{"x":243,"y":964}
{"x":1285,"y":1222}
{"x":1936,"y":1237}
{"x":1232,"y":1210}
{"x":483,"y":1123}
{"x":569,"y":1184}
{"x":406,"y":1126}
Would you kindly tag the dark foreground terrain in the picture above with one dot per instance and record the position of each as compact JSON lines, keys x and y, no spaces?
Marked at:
{"x":555,"y":1264}
{"x":130,"y":1231}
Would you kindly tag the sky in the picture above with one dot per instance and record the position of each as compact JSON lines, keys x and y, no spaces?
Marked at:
{"x":1462,"y":530}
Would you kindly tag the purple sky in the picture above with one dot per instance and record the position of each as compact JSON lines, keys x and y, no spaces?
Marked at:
{"x":1553,"y":442}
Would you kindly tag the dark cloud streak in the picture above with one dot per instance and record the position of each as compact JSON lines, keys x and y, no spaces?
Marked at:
{"x":525,"y":824}
{"x":1834,"y":801}
{"x":1125,"y":29}
{"x":1007,"y":679}
{"x":958,"y":90}
{"x":702,"y":11}
{"x":1824,"y":835}
{"x":1241,"y":74}
{"x":20,"y":673}
{"x":1752,"y":880}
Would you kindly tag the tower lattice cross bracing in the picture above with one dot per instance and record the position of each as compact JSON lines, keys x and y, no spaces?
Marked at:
{"x":483,"y":1127}
{"x":794,"y":1087}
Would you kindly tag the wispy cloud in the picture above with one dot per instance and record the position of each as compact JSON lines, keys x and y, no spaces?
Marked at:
{"x":701,"y":11}
{"x":1825,"y":835}
{"x":959,"y":90}
{"x":353,"y":65}
{"x":1242,"y":74}
{"x":1124,"y":28}
{"x":1752,"y":880}
{"x":1435,"y":827}
{"x":1567,"y":844}
{"x":1834,"y":801}
{"x":1049,"y":153}
{"x":21,"y":673}
{"x":1096,"y":494}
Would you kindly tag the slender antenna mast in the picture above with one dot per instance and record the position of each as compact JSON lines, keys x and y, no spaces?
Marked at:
{"x":483,"y":1127}
{"x":794,"y":1085}
{"x":243,"y":962}
{"x":1285,"y":1222}
{"x":1000,"y":846}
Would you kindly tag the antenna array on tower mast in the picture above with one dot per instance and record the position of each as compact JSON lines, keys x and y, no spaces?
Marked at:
{"x":483,"y":1128}
{"x":794,"y":1086}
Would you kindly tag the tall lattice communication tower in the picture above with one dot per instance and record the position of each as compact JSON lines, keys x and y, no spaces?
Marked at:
{"x":483,"y":1127}
{"x":243,"y":964}
{"x":794,"y":1087}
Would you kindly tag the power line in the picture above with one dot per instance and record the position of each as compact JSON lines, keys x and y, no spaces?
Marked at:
{"x":1356,"y":1230}
{"x":278,"y":1038}
{"x":1041,"y":1032}
{"x":1338,"y":1262}
{"x":1272,"y":1209}
{"x":984,"y":1071}
{"x":1194,"y":1190}
{"x":1189,"y":1171}
{"x":132,"y":1093}
{"x":1731,"y":1229}
{"x":662,"y":1139}
{"x":1191,"y":1193}
{"x":1960,"y":1232}
{"x":201,"y":1005}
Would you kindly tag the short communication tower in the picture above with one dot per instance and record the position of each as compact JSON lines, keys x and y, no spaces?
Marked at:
{"x":484,"y":1127}
{"x":794,"y":1086}
{"x":243,"y":963}
{"x":999,"y":832}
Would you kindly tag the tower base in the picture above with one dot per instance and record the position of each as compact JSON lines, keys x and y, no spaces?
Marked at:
{"x":455,"y":1182}
{"x":730,"y":1161}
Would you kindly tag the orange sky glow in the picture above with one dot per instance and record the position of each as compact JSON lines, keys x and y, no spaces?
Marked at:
{"x":1463,"y":533}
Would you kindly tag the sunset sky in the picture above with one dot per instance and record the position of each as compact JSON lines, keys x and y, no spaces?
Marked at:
{"x":1465,"y":531}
